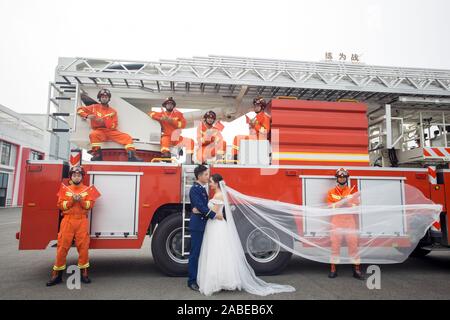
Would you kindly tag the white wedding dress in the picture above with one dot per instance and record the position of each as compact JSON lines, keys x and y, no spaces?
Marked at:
{"x":222,"y":263}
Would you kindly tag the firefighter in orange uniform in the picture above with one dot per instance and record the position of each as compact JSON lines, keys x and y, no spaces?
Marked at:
{"x":209,"y":138}
{"x":104,"y":121}
{"x":172,"y":122}
{"x":259,"y":126}
{"x":343,"y":225}
{"x":74,"y":201}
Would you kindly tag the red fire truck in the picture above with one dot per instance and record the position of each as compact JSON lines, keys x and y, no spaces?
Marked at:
{"x":384,"y":130}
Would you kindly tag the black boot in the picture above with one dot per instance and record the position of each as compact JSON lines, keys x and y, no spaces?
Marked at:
{"x":357,"y":272}
{"x":55,"y":278}
{"x":333,"y":272}
{"x":97,"y":155}
{"x":84,"y":276}
{"x":132,"y":156}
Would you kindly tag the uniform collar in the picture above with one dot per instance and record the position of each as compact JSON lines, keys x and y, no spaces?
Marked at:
{"x":201,"y":185}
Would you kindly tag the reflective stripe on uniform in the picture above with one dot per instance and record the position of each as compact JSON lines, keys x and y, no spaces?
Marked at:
{"x":65,"y":205}
{"x":84,"y":266}
{"x":88,"y":204}
{"x":55,"y":268}
{"x":336,"y":197}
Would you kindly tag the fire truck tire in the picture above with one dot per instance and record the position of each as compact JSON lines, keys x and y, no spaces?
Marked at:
{"x":166,"y":247}
{"x":263,"y":260}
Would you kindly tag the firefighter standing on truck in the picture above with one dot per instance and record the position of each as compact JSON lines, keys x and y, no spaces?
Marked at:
{"x":211,"y":144}
{"x":343,"y":225}
{"x":74,"y":201}
{"x":104,"y":121}
{"x":259,"y":126}
{"x":172,"y":122}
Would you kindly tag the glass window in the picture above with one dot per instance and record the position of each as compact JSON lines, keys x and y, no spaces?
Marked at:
{"x":3,"y":180}
{"x":5,"y":156}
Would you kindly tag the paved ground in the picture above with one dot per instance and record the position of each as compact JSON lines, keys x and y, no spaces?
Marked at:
{"x":131,"y":274}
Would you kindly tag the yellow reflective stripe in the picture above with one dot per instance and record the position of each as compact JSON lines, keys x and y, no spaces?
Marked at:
{"x":55,"y":268}
{"x":69,"y":194}
{"x":88,"y":204}
{"x":336,"y":197}
{"x":65,"y":205}
{"x":262,"y":130}
{"x":179,"y":124}
{"x":83,"y":194}
{"x":152,"y":114}
{"x":165,"y":149}
{"x":80,"y":111}
{"x":109,"y":114}
{"x":99,"y":114}
{"x":129,"y":146}
{"x":96,"y":144}
{"x":83,"y":266}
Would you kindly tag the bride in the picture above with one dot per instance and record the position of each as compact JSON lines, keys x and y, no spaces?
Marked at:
{"x":222,"y":262}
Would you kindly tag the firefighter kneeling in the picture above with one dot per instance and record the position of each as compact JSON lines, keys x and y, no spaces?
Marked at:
{"x":74,"y":201}
{"x":104,"y":122}
{"x":343,"y":225}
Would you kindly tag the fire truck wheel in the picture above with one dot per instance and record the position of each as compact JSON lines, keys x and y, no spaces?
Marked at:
{"x":264,"y":255}
{"x":166,"y":247}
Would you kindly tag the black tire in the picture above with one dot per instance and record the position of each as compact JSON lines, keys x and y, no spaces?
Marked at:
{"x":269,"y":259}
{"x":166,"y":246}
{"x":420,"y":252}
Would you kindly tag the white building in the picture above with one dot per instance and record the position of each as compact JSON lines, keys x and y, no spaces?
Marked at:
{"x":22,"y":137}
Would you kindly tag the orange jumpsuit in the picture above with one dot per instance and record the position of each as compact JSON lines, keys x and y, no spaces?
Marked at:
{"x":171,"y":131}
{"x":343,"y":225}
{"x":259,"y":130}
{"x":210,"y":142}
{"x":75,"y":224}
{"x":106,"y":130}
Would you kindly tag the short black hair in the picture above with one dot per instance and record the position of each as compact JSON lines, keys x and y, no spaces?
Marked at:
{"x":199,"y":170}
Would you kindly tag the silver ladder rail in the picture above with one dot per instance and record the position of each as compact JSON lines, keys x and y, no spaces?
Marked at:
{"x":58,"y":93}
{"x":185,"y":171}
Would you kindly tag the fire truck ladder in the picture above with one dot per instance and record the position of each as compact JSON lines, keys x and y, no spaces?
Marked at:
{"x":62,"y":96}
{"x":188,"y":181}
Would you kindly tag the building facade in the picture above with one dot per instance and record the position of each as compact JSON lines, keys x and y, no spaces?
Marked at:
{"x":22,"y":137}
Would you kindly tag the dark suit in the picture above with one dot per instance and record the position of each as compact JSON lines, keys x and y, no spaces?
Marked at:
{"x":197,"y":224}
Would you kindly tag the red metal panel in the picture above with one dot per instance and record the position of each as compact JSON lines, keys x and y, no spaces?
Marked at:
{"x":40,"y":216}
{"x":159,"y":185}
{"x":320,"y":133}
{"x":23,"y":164}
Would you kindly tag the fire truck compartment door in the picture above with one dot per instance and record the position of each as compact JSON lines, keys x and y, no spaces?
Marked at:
{"x":382,"y":192}
{"x":115,"y":214}
{"x":314,"y":194}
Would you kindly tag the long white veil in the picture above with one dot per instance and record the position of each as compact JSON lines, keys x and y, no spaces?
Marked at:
{"x":385,"y":233}
{"x":249,"y":281}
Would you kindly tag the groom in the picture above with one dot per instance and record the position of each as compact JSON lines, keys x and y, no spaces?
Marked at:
{"x":200,"y":215}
